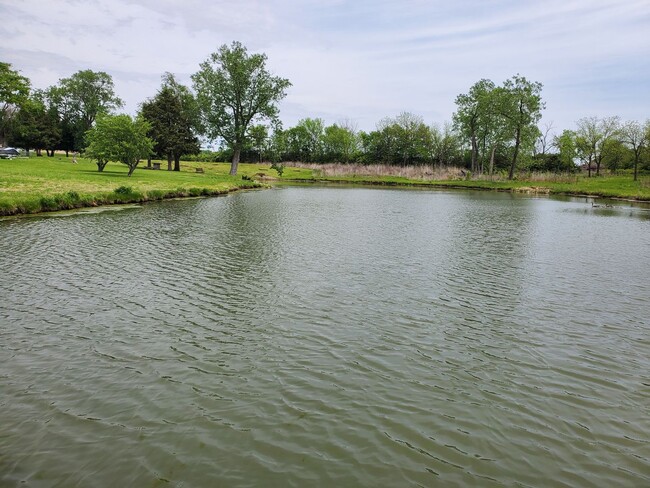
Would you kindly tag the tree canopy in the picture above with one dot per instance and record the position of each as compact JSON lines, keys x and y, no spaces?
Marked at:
{"x":171,"y":114}
{"x":81,"y":98}
{"x":119,"y":138}
{"x":493,"y":116}
{"x":233,"y":89}
{"x":14,"y":92}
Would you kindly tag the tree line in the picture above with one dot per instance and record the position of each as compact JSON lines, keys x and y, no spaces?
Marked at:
{"x":233,"y":102}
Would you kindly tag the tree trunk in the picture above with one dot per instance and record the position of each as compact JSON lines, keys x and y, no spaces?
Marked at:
{"x":39,"y":153}
{"x":636,"y":164}
{"x":514,"y":156}
{"x":169,"y":161}
{"x":132,"y":167}
{"x":149,"y":163}
{"x":494,"y":150}
{"x":177,"y":163}
{"x":67,"y":153}
{"x":101,"y":165}
{"x":235,"y":161}
{"x":474,"y":153}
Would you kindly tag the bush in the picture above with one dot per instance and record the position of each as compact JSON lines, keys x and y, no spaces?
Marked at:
{"x":124,"y":190}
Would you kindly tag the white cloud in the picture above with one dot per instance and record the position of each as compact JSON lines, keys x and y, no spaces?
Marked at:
{"x":358,"y":59}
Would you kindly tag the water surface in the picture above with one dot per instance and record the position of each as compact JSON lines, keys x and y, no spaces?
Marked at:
{"x":322,"y":336}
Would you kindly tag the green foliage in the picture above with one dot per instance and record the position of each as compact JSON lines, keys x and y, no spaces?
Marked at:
{"x":80,"y":99}
{"x":172,"y":118}
{"x":403,"y":140}
{"x":119,"y":138}
{"x":234,"y":89}
{"x":340,"y":144}
{"x":36,"y":127}
{"x":258,"y":137}
{"x":123,"y":190}
{"x":492,"y":117}
{"x":14,"y":92}
{"x":278,"y":167}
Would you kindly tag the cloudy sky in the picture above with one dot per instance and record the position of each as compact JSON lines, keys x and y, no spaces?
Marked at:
{"x":360,"y":60}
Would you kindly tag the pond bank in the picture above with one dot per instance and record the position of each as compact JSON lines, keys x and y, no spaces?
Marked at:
{"x":616,"y":188}
{"x":35,"y":185}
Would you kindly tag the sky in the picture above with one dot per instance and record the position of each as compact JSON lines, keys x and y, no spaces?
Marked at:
{"x":356,"y":61}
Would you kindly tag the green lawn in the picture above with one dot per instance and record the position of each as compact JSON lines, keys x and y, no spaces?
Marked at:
{"x":29,"y":185}
{"x":36,"y":184}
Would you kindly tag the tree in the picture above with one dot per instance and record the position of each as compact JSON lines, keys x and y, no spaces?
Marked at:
{"x":14,"y":92}
{"x":446,"y":147}
{"x":83,"y":97}
{"x":310,"y":133}
{"x":520,"y":104}
{"x":171,"y":115}
{"x":259,"y":135}
{"x":119,"y":138}
{"x":475,"y":115}
{"x":594,"y":136}
{"x":233,"y":89}
{"x":35,"y":127}
{"x":339,"y":143}
{"x":565,"y":143}
{"x":403,"y":140}
{"x":636,"y":137}
{"x":544,"y":140}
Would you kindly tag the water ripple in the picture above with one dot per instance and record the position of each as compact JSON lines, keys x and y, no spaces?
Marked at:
{"x":313,"y":336}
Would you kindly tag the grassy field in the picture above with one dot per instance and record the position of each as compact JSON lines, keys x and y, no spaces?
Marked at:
{"x":30,"y":185}
{"x":603,"y":186}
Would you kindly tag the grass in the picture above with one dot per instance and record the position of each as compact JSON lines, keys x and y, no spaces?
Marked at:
{"x":542,"y":183}
{"x":38,"y":184}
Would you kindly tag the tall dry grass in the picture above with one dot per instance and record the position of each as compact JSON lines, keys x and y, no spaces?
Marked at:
{"x":534,"y":176}
{"x":381,"y":170}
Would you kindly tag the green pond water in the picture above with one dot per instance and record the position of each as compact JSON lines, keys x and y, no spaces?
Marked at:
{"x":327,"y":337}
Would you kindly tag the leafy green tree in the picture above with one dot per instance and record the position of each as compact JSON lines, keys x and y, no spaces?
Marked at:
{"x":636,"y":137}
{"x":565,"y":144}
{"x":475,"y":116}
{"x":234,"y":89}
{"x":402,"y":140}
{"x":36,"y":127}
{"x":259,"y":135}
{"x":446,"y":148}
{"x":119,"y":138}
{"x":616,"y":154}
{"x":520,"y":104}
{"x":309,"y":135}
{"x":413,"y":138}
{"x":14,"y":92}
{"x":277,"y":143}
{"x":339,"y":143}
{"x":171,"y":115}
{"x":82,"y":98}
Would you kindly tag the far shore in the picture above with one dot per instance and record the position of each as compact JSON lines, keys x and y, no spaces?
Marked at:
{"x":44,"y":184}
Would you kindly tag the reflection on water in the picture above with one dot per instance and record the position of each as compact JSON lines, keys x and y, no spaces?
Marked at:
{"x":320,"y":336}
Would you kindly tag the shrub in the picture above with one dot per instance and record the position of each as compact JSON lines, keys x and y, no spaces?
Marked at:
{"x":124,"y":190}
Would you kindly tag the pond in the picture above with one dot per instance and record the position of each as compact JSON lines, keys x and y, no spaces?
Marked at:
{"x":328,"y":336}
